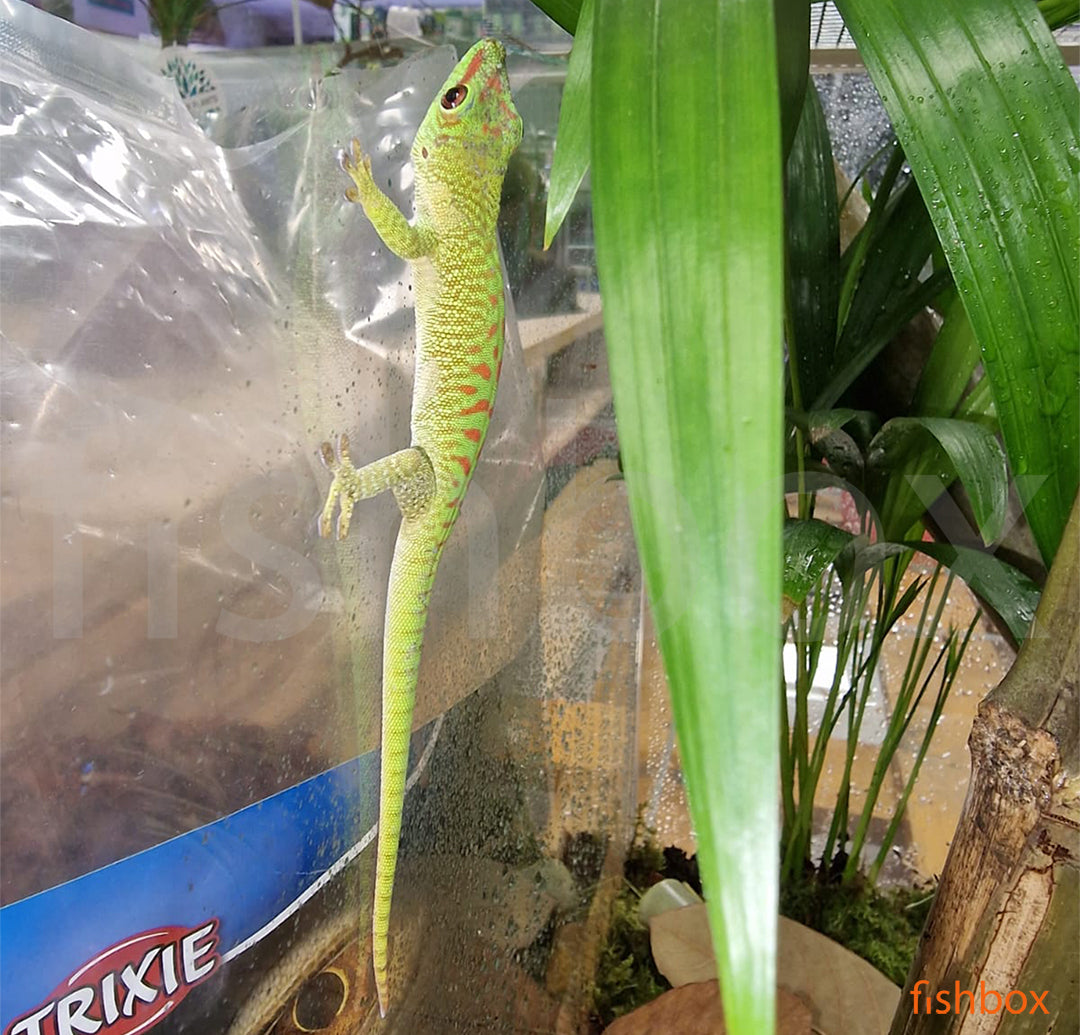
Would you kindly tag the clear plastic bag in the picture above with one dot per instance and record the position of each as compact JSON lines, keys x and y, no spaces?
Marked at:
{"x":183,"y":323}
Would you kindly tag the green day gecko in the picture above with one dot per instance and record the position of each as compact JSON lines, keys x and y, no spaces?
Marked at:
{"x":459,"y":157}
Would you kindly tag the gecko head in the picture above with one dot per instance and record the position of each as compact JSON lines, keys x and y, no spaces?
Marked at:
{"x":472,"y":126}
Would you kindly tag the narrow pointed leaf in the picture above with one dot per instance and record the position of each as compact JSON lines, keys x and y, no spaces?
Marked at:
{"x":907,"y":598}
{"x":565,"y":12}
{"x":973,"y":452}
{"x":572,"y":144}
{"x":869,"y":556}
{"x":1059,"y":12}
{"x":945,"y":379}
{"x":1009,"y":592}
{"x":947,"y":373}
{"x":989,"y":118}
{"x":861,"y":425}
{"x":842,"y":455}
{"x":889,"y":290}
{"x":813,"y":243}
{"x":687,"y":211}
{"x":793,"y":64}
{"x":809,"y":548}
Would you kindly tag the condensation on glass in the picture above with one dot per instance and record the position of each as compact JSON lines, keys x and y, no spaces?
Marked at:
{"x":190,"y":676}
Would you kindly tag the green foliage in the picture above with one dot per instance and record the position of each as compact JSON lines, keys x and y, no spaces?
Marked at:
{"x":565,"y":12}
{"x":1059,"y":12}
{"x":574,"y":140}
{"x":970,"y":453}
{"x":813,"y":249}
{"x":174,"y":20}
{"x":881,"y":288}
{"x":685,"y":127}
{"x":694,"y":375}
{"x":873,"y":596}
{"x":881,"y":926}
{"x":989,"y":120}
{"x":809,"y":548}
{"x":626,"y":976}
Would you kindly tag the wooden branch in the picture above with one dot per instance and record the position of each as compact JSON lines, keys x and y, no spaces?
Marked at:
{"x":1005,"y":918}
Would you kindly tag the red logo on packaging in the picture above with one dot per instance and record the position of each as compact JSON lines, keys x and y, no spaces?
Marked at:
{"x":129,"y":987}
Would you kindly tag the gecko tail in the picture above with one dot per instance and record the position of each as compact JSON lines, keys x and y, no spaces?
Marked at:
{"x":412,"y":574}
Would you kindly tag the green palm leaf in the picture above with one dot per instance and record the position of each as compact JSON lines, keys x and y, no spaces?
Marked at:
{"x":988,"y":116}
{"x":687,"y":210}
{"x":573,"y":142}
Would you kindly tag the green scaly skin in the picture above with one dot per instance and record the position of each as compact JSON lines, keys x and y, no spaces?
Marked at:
{"x":459,"y":157}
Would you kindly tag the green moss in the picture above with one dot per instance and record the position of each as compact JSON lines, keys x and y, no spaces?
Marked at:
{"x":626,"y":976}
{"x":881,"y":926}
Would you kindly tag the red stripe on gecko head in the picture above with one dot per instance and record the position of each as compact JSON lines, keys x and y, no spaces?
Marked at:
{"x":466,"y":464}
{"x":483,"y":406}
{"x":483,"y":370}
{"x":472,"y":434}
{"x":473,"y":65}
{"x":468,"y":389}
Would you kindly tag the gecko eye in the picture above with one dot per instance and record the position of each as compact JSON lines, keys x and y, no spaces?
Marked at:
{"x":454,"y":96}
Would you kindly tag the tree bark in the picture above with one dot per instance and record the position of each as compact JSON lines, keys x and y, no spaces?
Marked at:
{"x":1007,"y":913}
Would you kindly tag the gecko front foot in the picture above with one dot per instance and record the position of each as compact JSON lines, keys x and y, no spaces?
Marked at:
{"x":343,"y":486}
{"x":358,"y":166}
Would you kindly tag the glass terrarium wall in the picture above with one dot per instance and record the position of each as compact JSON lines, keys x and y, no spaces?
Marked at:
{"x":190,"y":676}
{"x":190,"y":683}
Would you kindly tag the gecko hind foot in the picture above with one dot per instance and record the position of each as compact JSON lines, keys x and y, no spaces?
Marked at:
{"x":407,"y":473}
{"x":341,"y":467}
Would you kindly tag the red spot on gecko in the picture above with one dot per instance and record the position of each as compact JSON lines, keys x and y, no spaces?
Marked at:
{"x":483,"y":406}
{"x":493,"y":299}
{"x":468,"y":389}
{"x":472,"y":434}
{"x":493,"y":330}
{"x":483,"y":370}
{"x":466,"y":466}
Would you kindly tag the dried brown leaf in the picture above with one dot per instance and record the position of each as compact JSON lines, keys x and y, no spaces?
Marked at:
{"x":847,"y":995}
{"x":682,"y":945}
{"x":695,"y":1010}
